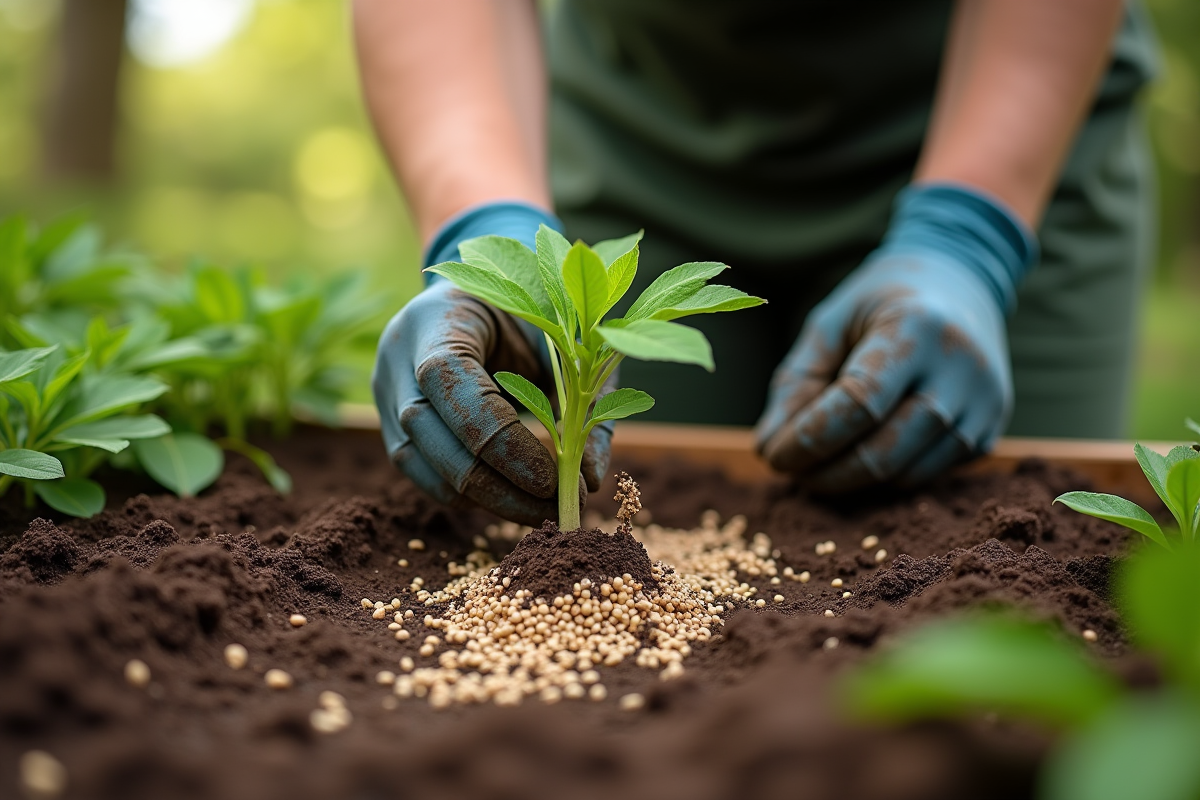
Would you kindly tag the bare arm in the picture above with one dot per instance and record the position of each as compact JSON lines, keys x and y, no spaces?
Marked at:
{"x":457,"y":94}
{"x":1017,"y":80}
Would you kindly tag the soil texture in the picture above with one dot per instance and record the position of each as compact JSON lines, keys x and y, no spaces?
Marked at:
{"x":172,"y":582}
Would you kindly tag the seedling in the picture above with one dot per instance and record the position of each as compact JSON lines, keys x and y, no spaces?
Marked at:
{"x":565,"y":291}
{"x":1174,"y":477}
{"x":1118,"y":742}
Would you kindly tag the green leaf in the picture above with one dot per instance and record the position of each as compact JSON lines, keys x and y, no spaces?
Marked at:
{"x":1159,"y":593}
{"x":514,"y":261}
{"x":709,"y":300}
{"x":1115,"y":509}
{"x":78,"y":497}
{"x":286,"y":320}
{"x":1144,"y":747}
{"x":530,"y":396}
{"x":620,"y":275}
{"x":63,"y":375}
{"x":19,"y":363}
{"x":673,"y":287}
{"x":610,"y":250}
{"x":276,"y":475}
{"x":185,"y":463}
{"x":1183,"y":487}
{"x":143,"y":426}
{"x":655,"y":340}
{"x":167,"y":354}
{"x":497,"y":290}
{"x":218,"y":295}
{"x":586,"y":282}
{"x":1192,"y":425}
{"x":26,"y":394}
{"x":620,"y":404}
{"x":552,"y":249}
{"x":101,"y":395}
{"x":1156,"y":467}
{"x":74,"y":255}
{"x":980,"y":663}
{"x":30,"y":464}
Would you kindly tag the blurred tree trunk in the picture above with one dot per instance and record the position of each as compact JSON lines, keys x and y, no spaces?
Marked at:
{"x":81,"y":117}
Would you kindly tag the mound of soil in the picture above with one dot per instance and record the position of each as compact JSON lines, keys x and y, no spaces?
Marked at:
{"x":549,"y":562}
{"x":172,"y":582}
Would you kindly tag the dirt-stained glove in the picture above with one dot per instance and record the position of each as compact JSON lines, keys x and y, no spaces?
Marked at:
{"x":445,"y":423}
{"x":904,"y":370}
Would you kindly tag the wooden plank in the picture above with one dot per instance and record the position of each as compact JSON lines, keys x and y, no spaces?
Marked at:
{"x":1110,"y":464}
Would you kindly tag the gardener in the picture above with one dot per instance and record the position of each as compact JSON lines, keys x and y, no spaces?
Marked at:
{"x":876,"y":170}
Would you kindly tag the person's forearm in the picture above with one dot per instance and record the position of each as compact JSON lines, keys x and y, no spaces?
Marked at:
{"x":457,"y":94}
{"x":1017,"y":80}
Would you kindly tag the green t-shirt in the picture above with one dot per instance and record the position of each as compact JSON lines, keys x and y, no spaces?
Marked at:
{"x":772,"y":129}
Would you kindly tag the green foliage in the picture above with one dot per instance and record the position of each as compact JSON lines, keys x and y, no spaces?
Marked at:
{"x":1174,"y":477}
{"x":565,"y":291}
{"x":61,"y":415}
{"x":1118,"y":743}
{"x":59,"y":271}
{"x":261,"y":351}
{"x":96,"y":335}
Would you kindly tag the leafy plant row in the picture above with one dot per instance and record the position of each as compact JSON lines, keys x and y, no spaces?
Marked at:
{"x":106,"y":360}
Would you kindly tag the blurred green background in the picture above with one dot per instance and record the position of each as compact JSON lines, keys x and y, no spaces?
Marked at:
{"x":239,"y":135}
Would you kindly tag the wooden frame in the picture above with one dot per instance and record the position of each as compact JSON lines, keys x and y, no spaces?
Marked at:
{"x":1110,"y":464}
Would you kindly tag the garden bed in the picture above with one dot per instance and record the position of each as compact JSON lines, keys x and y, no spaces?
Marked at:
{"x":171,"y":582}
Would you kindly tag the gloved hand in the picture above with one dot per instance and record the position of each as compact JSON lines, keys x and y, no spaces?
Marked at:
{"x":904,"y":370}
{"x":445,"y":423}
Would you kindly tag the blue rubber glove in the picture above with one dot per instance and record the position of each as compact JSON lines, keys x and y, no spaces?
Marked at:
{"x":445,"y":423}
{"x":903,"y":370}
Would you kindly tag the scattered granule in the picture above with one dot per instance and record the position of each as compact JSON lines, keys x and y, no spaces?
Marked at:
{"x":236,"y":656}
{"x":297,"y":620}
{"x":42,"y":775}
{"x":278,"y":679}
{"x":137,"y":673}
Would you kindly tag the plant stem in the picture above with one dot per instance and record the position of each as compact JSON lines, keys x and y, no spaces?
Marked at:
{"x":570,"y":455}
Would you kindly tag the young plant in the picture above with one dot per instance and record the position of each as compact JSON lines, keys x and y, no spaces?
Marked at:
{"x":565,"y":291}
{"x":183,"y":462}
{"x":1118,"y":743}
{"x":52,"y":410}
{"x":1174,"y":477}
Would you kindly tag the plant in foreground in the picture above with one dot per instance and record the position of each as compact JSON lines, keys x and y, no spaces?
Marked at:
{"x":565,"y":291}
{"x":1175,"y":478}
{"x":1117,"y":743}
{"x":53,"y":411}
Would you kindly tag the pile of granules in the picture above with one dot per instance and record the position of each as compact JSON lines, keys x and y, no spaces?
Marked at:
{"x":555,"y":613}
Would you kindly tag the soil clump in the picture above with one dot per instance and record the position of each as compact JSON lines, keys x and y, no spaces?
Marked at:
{"x":547,"y":562}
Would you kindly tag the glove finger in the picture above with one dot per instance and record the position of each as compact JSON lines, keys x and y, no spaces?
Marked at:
{"x":597,"y":452}
{"x":469,"y":475}
{"x":807,"y":370}
{"x":469,"y":403}
{"x":943,"y":455}
{"x":408,"y":459}
{"x":880,"y":369}
{"x":911,"y":429}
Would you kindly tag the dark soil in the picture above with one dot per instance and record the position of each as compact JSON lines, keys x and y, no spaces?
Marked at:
{"x":173,"y":581}
{"x":549,"y":562}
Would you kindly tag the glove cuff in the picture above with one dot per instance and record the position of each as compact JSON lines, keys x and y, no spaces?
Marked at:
{"x":974,"y":228}
{"x":509,"y":218}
